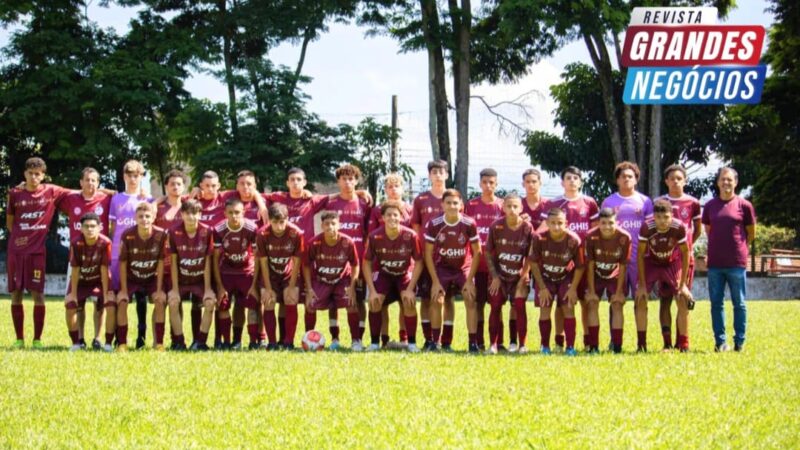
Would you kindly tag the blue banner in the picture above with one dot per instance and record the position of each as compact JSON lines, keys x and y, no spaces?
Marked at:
{"x":697,"y":85}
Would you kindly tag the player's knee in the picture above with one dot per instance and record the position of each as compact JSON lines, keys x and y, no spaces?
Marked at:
{"x":174,"y":303}
{"x":71,"y":306}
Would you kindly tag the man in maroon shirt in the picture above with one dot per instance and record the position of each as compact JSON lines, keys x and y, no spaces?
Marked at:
{"x":30,"y":211}
{"x":448,"y":241}
{"x":90,"y":256}
{"x":557,"y":265}
{"x":659,"y":262}
{"x":608,"y":250}
{"x":141,"y":271}
{"x":730,"y":224}
{"x":507,"y":248}
{"x":235,"y":271}
{"x":191,"y":247}
{"x":395,"y":250}
{"x":330,"y":272}
{"x":279,"y":249}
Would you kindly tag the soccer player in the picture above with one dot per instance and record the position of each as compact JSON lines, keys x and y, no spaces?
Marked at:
{"x":581,"y":216}
{"x":533,"y":204}
{"x":427,"y":206}
{"x":122,"y":217}
{"x":485,"y":210}
{"x":686,"y":209}
{"x":608,"y":249}
{"x":557,"y":264}
{"x":448,"y":240}
{"x":394,"y":248}
{"x":90,"y":256}
{"x":212,"y":202}
{"x":279,"y":249}
{"x":507,"y":248}
{"x":168,"y":216}
{"x":330,"y":272}
{"x":235,"y":271}
{"x":141,"y":266}
{"x":659,"y":262}
{"x":90,"y":199}
{"x":30,"y":211}
{"x":191,"y":248}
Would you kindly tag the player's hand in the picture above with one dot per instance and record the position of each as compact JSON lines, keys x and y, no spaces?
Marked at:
{"x":209,"y":295}
{"x":142,"y":193}
{"x":222,"y":295}
{"x":572,"y":297}
{"x":526,"y":217}
{"x":72,"y":297}
{"x":374,"y":301}
{"x":253,"y":292}
{"x":437,"y":293}
{"x":592,"y":297}
{"x":545,"y":298}
{"x":364,"y":195}
{"x":351,"y":296}
{"x":641,"y":294}
{"x":159,"y":297}
{"x":685,"y":293}
{"x":195,"y":192}
{"x":618,"y":297}
{"x":306,"y":194}
{"x":122,"y":296}
{"x":409,"y":298}
{"x":469,"y":289}
{"x":494,"y":286}
{"x":311,"y":297}
{"x":291,"y":295}
{"x":110,"y":297}
{"x":173,"y":295}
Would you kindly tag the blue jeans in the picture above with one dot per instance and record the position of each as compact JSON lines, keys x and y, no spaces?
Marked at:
{"x":736,"y":279}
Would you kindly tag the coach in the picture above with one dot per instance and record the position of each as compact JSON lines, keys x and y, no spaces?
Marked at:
{"x":730,"y":224}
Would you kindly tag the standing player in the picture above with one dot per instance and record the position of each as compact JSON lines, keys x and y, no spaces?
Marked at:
{"x":507,"y":248}
{"x":533,"y":205}
{"x":330,"y":272}
{"x":486,"y":210}
{"x":90,"y":256}
{"x":659,"y":262}
{"x":393,"y":247}
{"x":448,"y":240}
{"x":557,"y":266}
{"x":168,"y":216}
{"x":235,"y":271}
{"x":686,"y":209}
{"x":141,"y":266}
{"x":191,"y":246}
{"x":213,"y":204}
{"x":30,"y":211}
{"x":608,"y":249}
{"x":427,"y":206}
{"x":279,"y":248}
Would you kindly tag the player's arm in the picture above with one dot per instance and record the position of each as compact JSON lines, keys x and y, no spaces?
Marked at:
{"x":160,"y":276}
{"x":429,"y":263}
{"x":173,"y":274}
{"x":684,"y":266}
{"x":577,"y":274}
{"x":368,"y":275}
{"x":263,"y":271}
{"x":698,"y":229}
{"x":641,"y":291}
{"x":105,"y":284}
{"x":207,"y":274}
{"x":217,"y":275}
{"x":123,"y":280}
{"x":294,"y":274}
{"x":591,"y":290}
{"x":73,"y":283}
{"x":751,"y":233}
{"x":364,"y":195}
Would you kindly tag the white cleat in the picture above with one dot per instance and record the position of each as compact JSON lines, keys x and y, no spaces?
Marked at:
{"x":412,"y":348}
{"x":357,"y":346}
{"x":522,"y":350}
{"x":373,"y":348}
{"x":512,"y":347}
{"x":108,"y":348}
{"x":75,"y":348}
{"x":493,"y":350}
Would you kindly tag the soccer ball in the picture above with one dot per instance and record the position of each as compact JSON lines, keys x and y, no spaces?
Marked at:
{"x":313,"y":341}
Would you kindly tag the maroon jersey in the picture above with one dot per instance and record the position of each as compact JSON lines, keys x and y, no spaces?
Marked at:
{"x":426,"y":207}
{"x":686,"y":209}
{"x":396,"y":256}
{"x":508,"y":248}
{"x":142,"y":255}
{"x":301,"y":210}
{"x":451,"y":242}
{"x":250,"y":206}
{"x":89,"y":259}
{"x":279,"y":250}
{"x":33,"y":212}
{"x":191,"y":252}
{"x":213,"y":210}
{"x":607,"y":254}
{"x":376,"y":218}
{"x":484,"y":214}
{"x":74,"y":206}
{"x":557,"y":259}
{"x":580,"y":211}
{"x":353,"y":217}
{"x":236,"y":248}
{"x":661,"y":246}
{"x":331,"y":263}
{"x":536,"y":212}
{"x":168,"y":216}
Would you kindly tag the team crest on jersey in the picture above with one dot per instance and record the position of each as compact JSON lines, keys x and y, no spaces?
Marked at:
{"x":226,"y":244}
{"x":461,"y":239}
{"x":684,"y":213}
{"x":441,"y":238}
{"x":99,"y":210}
{"x":135,"y":251}
{"x":406,"y":236}
{"x":77,"y":210}
{"x":584,"y":213}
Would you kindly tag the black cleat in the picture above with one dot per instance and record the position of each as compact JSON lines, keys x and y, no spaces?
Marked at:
{"x":738,"y":347}
{"x":178,"y":347}
{"x":139,"y":342}
{"x":474,"y":349}
{"x":254,"y":346}
{"x":447,"y":348}
{"x":96,"y":345}
{"x":617,"y":349}
{"x":641,"y":349}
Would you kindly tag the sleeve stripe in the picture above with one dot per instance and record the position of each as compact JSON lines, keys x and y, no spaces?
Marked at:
{"x":682,"y":241}
{"x":642,"y":238}
{"x":429,"y":238}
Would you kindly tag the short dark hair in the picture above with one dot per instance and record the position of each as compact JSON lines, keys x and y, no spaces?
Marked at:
{"x":90,"y":216}
{"x":348,"y":170}
{"x":35,"y":163}
{"x":626,"y":165}
{"x":191,"y":206}
{"x":438,"y":164}
{"x":512,"y":196}
{"x":174,"y":173}
{"x":88,"y":170}
{"x":573,"y":170}
{"x":531,"y":171}
{"x":329,"y":215}
{"x":277,"y":211}
{"x":247,"y":173}
{"x":726,"y":169}
{"x":675,"y":168}
{"x":555,"y":212}
{"x":295,"y":170}
{"x":389,"y":204}
{"x":662,"y":206}
{"x":488,"y":172}
{"x":451,"y":193}
{"x":233,"y":201}
{"x":209,"y":174}
{"x":607,"y":213}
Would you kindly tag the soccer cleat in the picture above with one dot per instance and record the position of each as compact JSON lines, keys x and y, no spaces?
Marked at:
{"x":513,"y":347}
{"x":593,"y":351}
{"x":412,"y":348}
{"x":288,"y":347}
{"x":394,"y":345}
{"x":492,"y":350}
{"x":545,"y":351}
{"x":224,"y":346}
{"x":335,"y":345}
{"x":273,"y":347}
{"x":82,"y":342}
{"x":522,"y":350}
{"x":218,"y":345}
{"x":254,"y":346}
{"x":159,"y":348}
{"x":236,"y":346}
{"x":139,"y":342}
{"x":641,"y":349}
{"x":559,"y":349}
{"x":684,"y":349}
{"x":264,"y":345}
{"x":178,"y":347}
{"x":738,"y":347}
{"x":667,"y":350}
{"x":474,"y":349}
{"x":96,"y":345}
{"x":18,"y":344}
{"x":722,"y":348}
{"x":108,"y":348}
{"x":122,"y":348}
{"x":482,"y":347}
{"x":75,"y":348}
{"x":502,"y":349}
{"x":357,"y":346}
{"x":570,"y":351}
{"x":373,"y":348}
{"x":616,"y":348}
{"x":37,"y":344}
{"x":447,"y":348}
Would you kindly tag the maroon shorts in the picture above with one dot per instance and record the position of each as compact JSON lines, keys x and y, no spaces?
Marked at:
{"x":606,"y":286}
{"x":237,"y":286}
{"x":558,"y":289}
{"x":279,"y":284}
{"x":452,"y":281}
{"x":506,"y":292}
{"x":390,"y":286}
{"x":26,"y":272}
{"x":192,"y":293}
{"x":667,"y":277}
{"x":330,"y":295}
{"x":84,"y":292}
{"x":144,"y":289}
{"x":482,"y":287}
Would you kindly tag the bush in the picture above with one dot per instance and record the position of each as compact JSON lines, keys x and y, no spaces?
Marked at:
{"x":770,"y":236}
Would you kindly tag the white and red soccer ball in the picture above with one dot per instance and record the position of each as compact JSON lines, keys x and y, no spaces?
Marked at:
{"x":313,"y":341}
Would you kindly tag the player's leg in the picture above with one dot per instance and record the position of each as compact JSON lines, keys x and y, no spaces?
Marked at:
{"x":665,"y":318}
{"x":521,"y":317}
{"x":281,"y":323}
{"x":424,"y":294}
{"x":97,"y":320}
{"x":159,"y":321}
{"x":592,"y":324}
{"x":253,"y":318}
{"x":18,"y":317}
{"x":238,"y":324}
{"x":559,"y":329}
{"x":361,"y":305}
{"x":376,"y":322}
{"x":384,"y":333}
{"x":196,"y":313}
{"x":176,"y":322}
{"x":223,"y":312}
{"x":481,"y":299}
{"x":402,"y":332}
{"x":270,"y":324}
{"x":640,"y":311}
{"x":496,"y":301}
{"x":435,"y":316}
{"x":409,"y":312}
{"x":569,"y":327}
{"x":289,"y":309}
{"x":448,"y":315}
{"x":111,"y":324}
{"x":617,"y":321}
{"x":122,"y":325}
{"x":513,"y":330}
{"x":71,"y":313}
{"x":201,"y":337}
{"x":545,"y":326}
{"x":683,"y":324}
{"x":141,"y":314}
{"x":38,"y":317}
{"x":80,"y":318}
{"x":333,"y":324}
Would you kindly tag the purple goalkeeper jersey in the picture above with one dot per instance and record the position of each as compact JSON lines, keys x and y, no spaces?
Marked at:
{"x":121,"y":213}
{"x":631,"y":214}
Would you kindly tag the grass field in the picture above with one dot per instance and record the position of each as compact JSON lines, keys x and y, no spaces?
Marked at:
{"x":54,"y":398}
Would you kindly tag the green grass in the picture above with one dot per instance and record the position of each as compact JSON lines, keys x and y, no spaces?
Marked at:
{"x":53,"y":398}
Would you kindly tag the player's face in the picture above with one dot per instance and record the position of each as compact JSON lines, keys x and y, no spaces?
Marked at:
{"x":278,"y":225}
{"x":607,"y":226}
{"x":209,"y":187}
{"x":437,"y":175}
{"x":727,"y":183}
{"x":34,"y":177}
{"x":512,"y":207}
{"x":452,"y":205}
{"x":557,"y":225}
{"x":190,"y":220}
{"x":571,"y":182}
{"x":132,"y":179}
{"x":662,"y":220}
{"x":394,"y":191}
{"x":235,"y":215}
{"x":488,"y":185}
{"x":626,"y":180}
{"x":246,"y":186}
{"x":144,"y":219}
{"x":175,"y":186}
{"x":532,"y":184}
{"x":347,"y":184}
{"x":331,"y":228}
{"x":675,"y":181}
{"x":296,"y":183}
{"x":89,"y":183}
{"x":90,"y":229}
{"x":392,"y":218}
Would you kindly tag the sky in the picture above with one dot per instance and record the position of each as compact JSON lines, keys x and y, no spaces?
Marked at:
{"x":354,"y":76}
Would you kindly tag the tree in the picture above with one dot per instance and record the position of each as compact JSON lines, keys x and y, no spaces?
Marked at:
{"x":373,"y":142}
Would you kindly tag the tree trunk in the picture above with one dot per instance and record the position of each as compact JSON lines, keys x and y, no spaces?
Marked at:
{"x":654,"y":168}
{"x":462,"y":18}
{"x":432,"y":128}
{"x":627,"y":110}
{"x":227,"y":51}
{"x":601,"y":62}
{"x":430,"y":27}
{"x":307,"y":36}
{"x":642,"y":129}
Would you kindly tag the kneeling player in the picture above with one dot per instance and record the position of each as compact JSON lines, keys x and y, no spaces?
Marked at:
{"x":279,"y":247}
{"x":141,"y":273}
{"x":557,"y":266}
{"x":507,"y":248}
{"x":191,"y":248}
{"x":90,"y":256}
{"x":608,"y":249}
{"x":448,"y":239}
{"x":330,"y":271}
{"x":658,"y":262}
{"x":393,"y":247}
